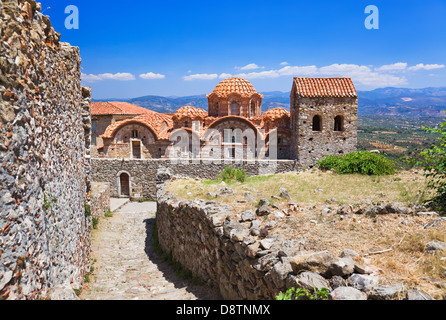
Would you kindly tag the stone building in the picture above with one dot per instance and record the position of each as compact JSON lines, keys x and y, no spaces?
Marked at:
{"x":104,"y":114}
{"x":322,"y":121}
{"x":324,"y":118}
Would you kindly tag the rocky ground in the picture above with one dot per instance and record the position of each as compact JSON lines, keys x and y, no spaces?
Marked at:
{"x":126,"y":268}
{"x":367,"y":239}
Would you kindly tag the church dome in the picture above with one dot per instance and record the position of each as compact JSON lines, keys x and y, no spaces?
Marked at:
{"x":235,"y":85}
{"x":190,"y":112}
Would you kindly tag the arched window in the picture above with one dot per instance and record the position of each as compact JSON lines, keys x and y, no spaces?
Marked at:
{"x":234,"y":108}
{"x":338,"y":124}
{"x":253,"y":109}
{"x":317,"y":123}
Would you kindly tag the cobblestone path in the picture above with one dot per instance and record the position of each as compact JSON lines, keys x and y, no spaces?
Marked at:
{"x":127,"y":269}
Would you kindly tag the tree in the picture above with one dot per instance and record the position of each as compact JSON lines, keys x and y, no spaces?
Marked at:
{"x":433,"y":162}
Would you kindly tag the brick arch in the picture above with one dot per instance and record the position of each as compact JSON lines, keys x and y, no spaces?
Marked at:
{"x":116,"y":127}
{"x":251,"y":125}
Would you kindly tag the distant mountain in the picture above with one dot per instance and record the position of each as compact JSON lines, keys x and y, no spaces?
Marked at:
{"x":398,"y":102}
{"x":428,"y":102}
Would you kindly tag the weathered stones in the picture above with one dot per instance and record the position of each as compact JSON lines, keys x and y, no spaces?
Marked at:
{"x":347,"y":293}
{"x":263,"y":211}
{"x":225,"y":191}
{"x":342,"y":266}
{"x":45,"y":198}
{"x":62,"y":293}
{"x":381,"y":292}
{"x":434,"y":246}
{"x":312,"y":261}
{"x":284,"y":193}
{"x":309,"y":280}
{"x":362,"y":282}
{"x":418,"y":295}
{"x":248,"y":215}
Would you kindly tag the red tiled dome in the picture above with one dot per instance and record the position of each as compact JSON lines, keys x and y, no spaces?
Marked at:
{"x":275,"y":114}
{"x":189,"y":112}
{"x":235,"y":85}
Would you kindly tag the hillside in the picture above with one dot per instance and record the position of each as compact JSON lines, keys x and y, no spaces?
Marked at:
{"x":378,"y":217}
{"x":395,"y":102}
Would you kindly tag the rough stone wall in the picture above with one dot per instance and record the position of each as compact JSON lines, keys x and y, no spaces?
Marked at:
{"x":312,"y":146}
{"x":215,"y":247}
{"x":44,"y":159}
{"x":143,"y":172}
{"x":100,"y":199}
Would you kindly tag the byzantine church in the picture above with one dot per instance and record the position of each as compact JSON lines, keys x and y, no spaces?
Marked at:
{"x":322,"y":120}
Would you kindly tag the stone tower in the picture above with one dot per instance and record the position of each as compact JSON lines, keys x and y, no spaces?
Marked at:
{"x":324,"y":117}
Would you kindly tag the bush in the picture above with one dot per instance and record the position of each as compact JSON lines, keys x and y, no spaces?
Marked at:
{"x":433,"y":162}
{"x":304,"y":294}
{"x":329,"y":162}
{"x":231,"y":174}
{"x":362,"y":162}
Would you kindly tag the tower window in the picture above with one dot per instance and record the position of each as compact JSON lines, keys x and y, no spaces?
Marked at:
{"x":339,"y":124}
{"x":317,"y":123}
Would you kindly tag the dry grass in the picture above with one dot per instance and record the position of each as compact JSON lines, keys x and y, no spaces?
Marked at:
{"x":405,"y":235}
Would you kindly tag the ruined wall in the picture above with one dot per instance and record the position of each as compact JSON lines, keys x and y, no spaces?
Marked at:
{"x":143,"y":172}
{"x":100,"y":199}
{"x":44,"y":159}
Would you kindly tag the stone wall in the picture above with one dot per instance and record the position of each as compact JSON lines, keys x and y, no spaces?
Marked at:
{"x":44,"y":156}
{"x":313,"y":145}
{"x":143,"y":172}
{"x":100,"y":199}
{"x":245,"y":258}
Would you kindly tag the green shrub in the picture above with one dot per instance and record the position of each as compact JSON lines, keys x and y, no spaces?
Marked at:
{"x":433,"y":162}
{"x":362,"y":162}
{"x":304,"y":294}
{"x":329,"y":162}
{"x":231,"y":174}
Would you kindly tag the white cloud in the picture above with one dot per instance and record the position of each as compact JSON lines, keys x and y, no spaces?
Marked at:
{"x":201,"y":76}
{"x":260,"y":75}
{"x":383,"y":76}
{"x":108,"y":76}
{"x":399,"y":66}
{"x":225,"y":76}
{"x":284,"y":63}
{"x":251,"y":66}
{"x":90,"y":77}
{"x":422,"y":66}
{"x":151,"y":75}
{"x":297,"y":71}
{"x":362,"y":75}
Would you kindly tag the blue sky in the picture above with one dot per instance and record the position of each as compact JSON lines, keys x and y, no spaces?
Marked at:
{"x":178,"y":48}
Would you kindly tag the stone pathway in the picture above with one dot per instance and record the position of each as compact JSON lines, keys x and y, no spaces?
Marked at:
{"x":127,"y":269}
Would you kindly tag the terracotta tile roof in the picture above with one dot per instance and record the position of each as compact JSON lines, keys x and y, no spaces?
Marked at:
{"x":190,"y":112}
{"x":116,"y":108}
{"x":160,"y":124}
{"x":234,"y":85}
{"x":274,"y":114}
{"x":325,"y":87}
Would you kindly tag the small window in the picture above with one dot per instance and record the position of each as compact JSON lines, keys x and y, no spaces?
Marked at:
{"x":234,"y":108}
{"x":339,"y":124}
{"x":317,"y":123}
{"x":253,"y":109}
{"x":134,"y":133}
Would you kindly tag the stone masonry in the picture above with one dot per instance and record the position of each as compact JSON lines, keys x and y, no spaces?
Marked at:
{"x":143,"y":173}
{"x":44,"y":156}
